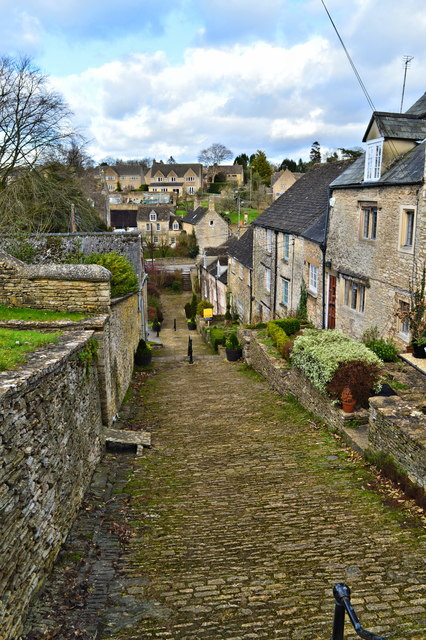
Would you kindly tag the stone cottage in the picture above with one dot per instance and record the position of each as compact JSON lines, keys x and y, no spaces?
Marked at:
{"x":210,"y":228}
{"x":240,"y":275}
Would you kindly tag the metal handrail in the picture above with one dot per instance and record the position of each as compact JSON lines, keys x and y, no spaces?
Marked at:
{"x":342,"y":596}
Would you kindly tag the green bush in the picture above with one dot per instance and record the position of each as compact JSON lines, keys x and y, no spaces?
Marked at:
{"x":204,"y":304}
{"x":188,"y":310}
{"x":278,"y":335}
{"x":289,"y":325}
{"x":232,"y":342}
{"x":124,"y":279}
{"x":176,"y":286}
{"x":385,"y":349}
{"x":319,"y":353}
{"x":217,"y":337}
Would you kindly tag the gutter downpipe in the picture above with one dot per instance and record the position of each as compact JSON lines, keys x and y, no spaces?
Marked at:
{"x":275,"y":275}
{"x":324,"y":249}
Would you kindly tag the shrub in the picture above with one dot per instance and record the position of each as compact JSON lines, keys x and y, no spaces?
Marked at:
{"x":153,"y":290}
{"x":188,"y":310}
{"x":319,"y":353}
{"x":203,"y":304}
{"x":278,"y":335}
{"x":124,"y":279}
{"x":289,"y":325}
{"x":232,"y":341}
{"x":360,"y":377}
{"x":217,"y":337}
{"x":194,"y":304}
{"x":176,"y":285}
{"x":385,"y":349}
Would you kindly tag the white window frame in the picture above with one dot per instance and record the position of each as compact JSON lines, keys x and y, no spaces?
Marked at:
{"x":191,"y":190}
{"x":286,"y":246}
{"x":148,"y":226}
{"x":175,"y":226}
{"x":159,"y":179}
{"x":286,"y":290}
{"x":211,"y":223}
{"x":267,"y":279}
{"x":153,"y":217}
{"x":158,"y":226}
{"x":269,"y":240}
{"x":354,"y":295}
{"x":407,"y":229}
{"x":190,"y":179}
{"x":172,"y":179}
{"x":313,"y":278}
{"x":404,"y":325}
{"x":373,"y":160}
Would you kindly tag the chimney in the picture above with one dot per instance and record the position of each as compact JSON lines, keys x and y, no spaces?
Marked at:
{"x":211,"y":204}
{"x":196,"y":202}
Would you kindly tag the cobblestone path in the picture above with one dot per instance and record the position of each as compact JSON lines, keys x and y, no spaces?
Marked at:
{"x":245,"y":513}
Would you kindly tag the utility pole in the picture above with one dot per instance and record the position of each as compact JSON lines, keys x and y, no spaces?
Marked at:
{"x":73,"y":225}
{"x":407,"y":60}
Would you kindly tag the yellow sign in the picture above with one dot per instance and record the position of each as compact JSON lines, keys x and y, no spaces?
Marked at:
{"x":208,"y":313}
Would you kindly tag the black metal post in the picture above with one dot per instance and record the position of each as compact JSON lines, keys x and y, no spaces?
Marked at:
{"x":174,"y":324}
{"x":342,"y":596}
{"x":191,"y":361}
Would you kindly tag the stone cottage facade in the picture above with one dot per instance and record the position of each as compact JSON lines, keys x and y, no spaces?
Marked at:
{"x":377,"y":228}
{"x":240,"y":275}
{"x":210,"y":228}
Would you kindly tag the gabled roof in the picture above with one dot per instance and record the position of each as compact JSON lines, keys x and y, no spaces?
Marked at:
{"x":303,"y":204}
{"x":122,"y":218}
{"x":179,"y":169}
{"x":406,"y":169}
{"x":419,"y":107}
{"x":403,"y":126}
{"x":242,"y":248}
{"x":163,"y":213}
{"x":226,"y":168}
{"x":129,"y":169}
{"x":192,"y":217}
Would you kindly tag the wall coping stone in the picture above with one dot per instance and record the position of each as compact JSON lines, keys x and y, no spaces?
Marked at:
{"x":53,"y":271}
{"x":42,"y":361}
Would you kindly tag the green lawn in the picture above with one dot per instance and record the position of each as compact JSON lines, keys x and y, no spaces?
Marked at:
{"x":15,"y":345}
{"x":16,"y":313}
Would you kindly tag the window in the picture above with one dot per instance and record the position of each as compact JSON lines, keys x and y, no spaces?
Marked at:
{"x":241,"y":271}
{"x":373,"y":160}
{"x":175,"y":190}
{"x":403,"y":311}
{"x":212,"y":223}
{"x":406,"y":237}
{"x":369,"y":222}
{"x":173,"y":179}
{"x":159,"y":179}
{"x":191,"y":190}
{"x":286,"y":284}
{"x":268,"y":240}
{"x":148,"y":226}
{"x":286,"y":246}
{"x":153,"y":216}
{"x":354,"y":295}
{"x":267,"y":279}
{"x":158,"y":226}
{"x":156,"y":239}
{"x":313,"y":278}
{"x":190,"y":179}
{"x":176,"y":226}
{"x":164,"y":189}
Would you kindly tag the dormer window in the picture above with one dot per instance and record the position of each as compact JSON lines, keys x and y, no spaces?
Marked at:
{"x":373,"y":160}
{"x":153,"y":216}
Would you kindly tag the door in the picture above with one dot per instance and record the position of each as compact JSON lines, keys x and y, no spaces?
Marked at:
{"x":331,"y":316}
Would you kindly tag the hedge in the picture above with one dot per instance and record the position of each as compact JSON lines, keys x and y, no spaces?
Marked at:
{"x":289,"y":325}
{"x":278,"y":335}
{"x":319,"y":353}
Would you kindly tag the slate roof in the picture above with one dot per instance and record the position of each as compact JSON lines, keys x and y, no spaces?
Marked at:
{"x":212,"y":269}
{"x":406,"y":169}
{"x":300,"y":208}
{"x":242,"y":248}
{"x":179,"y":169}
{"x":163,"y":213}
{"x":419,"y":107}
{"x":122,"y":218}
{"x":129,"y":169}
{"x":226,"y":168}
{"x":404,"y":126}
{"x":192,"y":217}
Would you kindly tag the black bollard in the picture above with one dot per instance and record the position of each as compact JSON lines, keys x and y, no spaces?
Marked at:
{"x":174,"y":324}
{"x":191,"y":361}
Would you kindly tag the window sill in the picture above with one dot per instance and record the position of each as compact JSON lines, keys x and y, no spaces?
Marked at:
{"x":354,"y":312}
{"x":284,"y":306}
{"x":405,"y":337}
{"x":312,"y":293}
{"x":406,"y":249}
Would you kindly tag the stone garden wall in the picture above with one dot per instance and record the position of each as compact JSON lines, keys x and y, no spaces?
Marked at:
{"x":50,"y":443}
{"x":394,"y":427}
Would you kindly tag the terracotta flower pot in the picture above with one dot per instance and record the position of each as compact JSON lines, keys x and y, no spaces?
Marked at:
{"x":348,"y":401}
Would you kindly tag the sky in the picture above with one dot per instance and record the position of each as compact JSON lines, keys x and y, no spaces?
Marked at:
{"x":151,"y":79}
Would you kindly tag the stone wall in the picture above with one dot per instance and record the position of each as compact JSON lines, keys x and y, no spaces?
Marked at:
{"x":51,"y":245}
{"x":73,"y":287}
{"x":400,"y":431}
{"x":50,"y":443}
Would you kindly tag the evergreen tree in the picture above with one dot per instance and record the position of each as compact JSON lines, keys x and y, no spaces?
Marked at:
{"x":315,"y":153}
{"x":261,"y":166}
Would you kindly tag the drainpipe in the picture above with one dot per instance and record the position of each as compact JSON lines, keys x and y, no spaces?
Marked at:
{"x":275,"y":275}
{"x":323,"y":247}
{"x":251,"y":295}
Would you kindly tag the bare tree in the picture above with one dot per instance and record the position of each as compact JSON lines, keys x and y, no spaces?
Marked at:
{"x":33,"y":119}
{"x":214,"y":155}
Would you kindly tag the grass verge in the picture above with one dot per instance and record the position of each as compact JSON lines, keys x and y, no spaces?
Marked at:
{"x":16,"y":345}
{"x":16,"y":313}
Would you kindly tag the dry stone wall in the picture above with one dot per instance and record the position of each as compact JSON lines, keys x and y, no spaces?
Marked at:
{"x":50,"y":443}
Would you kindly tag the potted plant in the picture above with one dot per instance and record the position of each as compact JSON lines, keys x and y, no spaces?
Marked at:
{"x":192,"y":324}
{"x":233,"y":348}
{"x":156,"y":325}
{"x":348,"y":401}
{"x":143,"y":354}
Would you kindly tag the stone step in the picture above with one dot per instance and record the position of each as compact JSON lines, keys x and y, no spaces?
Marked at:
{"x":125,"y":439}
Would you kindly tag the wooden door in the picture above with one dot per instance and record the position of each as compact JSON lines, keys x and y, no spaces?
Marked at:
{"x":331,"y":316}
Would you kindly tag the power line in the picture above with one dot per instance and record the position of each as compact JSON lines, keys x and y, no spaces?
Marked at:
{"x":362,"y":85}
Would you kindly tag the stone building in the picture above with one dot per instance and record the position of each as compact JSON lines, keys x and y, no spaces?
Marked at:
{"x":283,"y":180}
{"x":210,"y":228}
{"x":158,"y":225}
{"x":377,"y":227}
{"x":125,"y":176}
{"x":213,"y":274}
{"x":240,"y":275}
{"x":178,"y":179}
{"x":288,"y":247}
